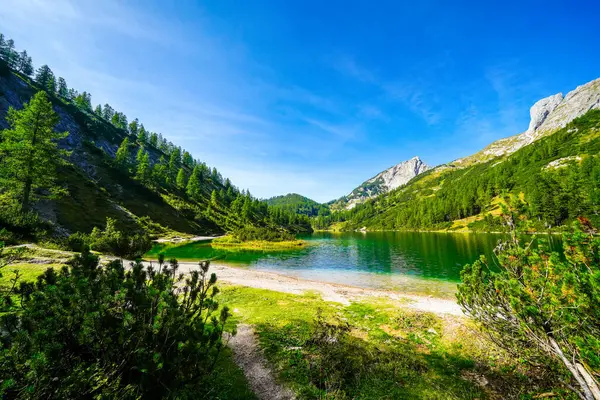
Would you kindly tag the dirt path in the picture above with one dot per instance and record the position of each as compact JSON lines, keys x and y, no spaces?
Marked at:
{"x":249,"y":357}
{"x":329,"y":291}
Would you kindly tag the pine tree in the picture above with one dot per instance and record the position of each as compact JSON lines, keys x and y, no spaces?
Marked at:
{"x":108,"y":112}
{"x":153,"y":141}
{"x":181,"y":179}
{"x":9,"y":54}
{"x":188,"y":161}
{"x":122,"y":156}
{"x":193,"y":188}
{"x":63,"y":89}
{"x":140,"y":155}
{"x":159,"y":172}
{"x":133,"y":127}
{"x":98,"y":110}
{"x":25,"y":65}
{"x":143,"y":172}
{"x":45,"y":78}
{"x":30,"y":155}
{"x":174,"y":162}
{"x":84,"y":101}
{"x":142,"y":135}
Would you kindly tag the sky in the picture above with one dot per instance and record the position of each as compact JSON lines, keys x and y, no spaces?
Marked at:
{"x":315,"y":97}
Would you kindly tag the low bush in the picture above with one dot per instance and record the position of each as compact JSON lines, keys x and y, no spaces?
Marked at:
{"x":108,"y":332}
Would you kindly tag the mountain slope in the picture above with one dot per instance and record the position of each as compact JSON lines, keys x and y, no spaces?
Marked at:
{"x":99,"y":189}
{"x":553,"y":168}
{"x":383,"y":182}
{"x":547,"y":115}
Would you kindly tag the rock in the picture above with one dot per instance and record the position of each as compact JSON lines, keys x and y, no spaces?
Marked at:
{"x":540,"y":110}
{"x":385,"y":181}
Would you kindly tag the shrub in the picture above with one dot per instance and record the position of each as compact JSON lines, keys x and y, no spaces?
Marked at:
{"x":255,"y":233}
{"x":541,"y":304}
{"x":78,"y":242}
{"x":123,"y":245}
{"x":106,"y":332}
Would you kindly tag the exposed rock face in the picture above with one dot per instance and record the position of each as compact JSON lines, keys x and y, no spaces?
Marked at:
{"x":547,"y":115}
{"x":541,"y":109}
{"x":385,"y":181}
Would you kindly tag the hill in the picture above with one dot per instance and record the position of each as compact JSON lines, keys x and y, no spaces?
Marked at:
{"x":120,"y":170}
{"x":549,"y":174}
{"x":298,"y":204}
{"x":383,"y":182}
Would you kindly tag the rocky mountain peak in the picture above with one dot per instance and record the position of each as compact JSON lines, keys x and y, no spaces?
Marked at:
{"x":385,"y":181}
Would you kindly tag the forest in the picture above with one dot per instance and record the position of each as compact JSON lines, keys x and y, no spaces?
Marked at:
{"x":114,"y":153}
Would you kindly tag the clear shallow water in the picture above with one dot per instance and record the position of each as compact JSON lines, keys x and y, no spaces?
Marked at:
{"x":423,"y":262}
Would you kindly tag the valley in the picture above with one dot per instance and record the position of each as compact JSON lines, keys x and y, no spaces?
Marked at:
{"x":127,"y":264}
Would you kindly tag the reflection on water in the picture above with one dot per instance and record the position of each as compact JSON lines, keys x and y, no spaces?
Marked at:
{"x":410,"y":261}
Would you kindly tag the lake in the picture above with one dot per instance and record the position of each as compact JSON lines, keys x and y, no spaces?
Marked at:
{"x":413,"y":262}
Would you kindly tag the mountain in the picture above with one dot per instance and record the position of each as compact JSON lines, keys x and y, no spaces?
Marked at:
{"x":296,"y":203}
{"x":547,"y":116}
{"x":155,"y":185}
{"x":383,"y":182}
{"x":549,"y":174}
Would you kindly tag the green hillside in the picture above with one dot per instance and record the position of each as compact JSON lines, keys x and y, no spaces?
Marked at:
{"x":295,"y":203}
{"x":121,"y":170}
{"x":551,"y":182}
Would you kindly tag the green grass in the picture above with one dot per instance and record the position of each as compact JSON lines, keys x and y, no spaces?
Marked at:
{"x":387,"y":353}
{"x":231,"y":243}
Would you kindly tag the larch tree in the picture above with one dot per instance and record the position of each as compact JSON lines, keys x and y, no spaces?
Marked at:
{"x":29,"y":154}
{"x":98,"y":110}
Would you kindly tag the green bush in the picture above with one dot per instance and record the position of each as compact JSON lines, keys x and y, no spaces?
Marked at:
{"x":255,"y":233}
{"x":78,"y":242}
{"x":124,"y":245}
{"x":113,"y":333}
{"x":540,"y":304}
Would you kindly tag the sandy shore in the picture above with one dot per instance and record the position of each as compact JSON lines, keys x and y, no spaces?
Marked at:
{"x":330,"y":292}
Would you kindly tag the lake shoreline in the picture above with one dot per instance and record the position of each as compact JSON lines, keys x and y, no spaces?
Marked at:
{"x":340,"y":293}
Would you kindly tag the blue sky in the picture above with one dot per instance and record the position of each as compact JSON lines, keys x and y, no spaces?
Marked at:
{"x":315,"y":97}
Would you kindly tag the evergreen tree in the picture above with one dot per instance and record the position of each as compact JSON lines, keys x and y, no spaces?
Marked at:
{"x":29,"y":152}
{"x":9,"y":54}
{"x":193,"y":188}
{"x":153,"y":141}
{"x":142,"y":134}
{"x":133,"y":127}
{"x":143,"y":172}
{"x":188,"y":161}
{"x":159,"y":172}
{"x":181,"y":179}
{"x":2,"y":45}
{"x":98,"y":111}
{"x":84,"y":101}
{"x":140,"y":155}
{"x":25,"y":65}
{"x":45,"y":78}
{"x":108,"y":112}
{"x":63,"y":89}
{"x":72,"y":94}
{"x":122,"y":156}
{"x":174,"y":162}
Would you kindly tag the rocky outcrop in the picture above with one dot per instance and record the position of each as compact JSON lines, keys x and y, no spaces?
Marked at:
{"x":540,"y":111}
{"x":547,"y":116}
{"x":383,"y":182}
